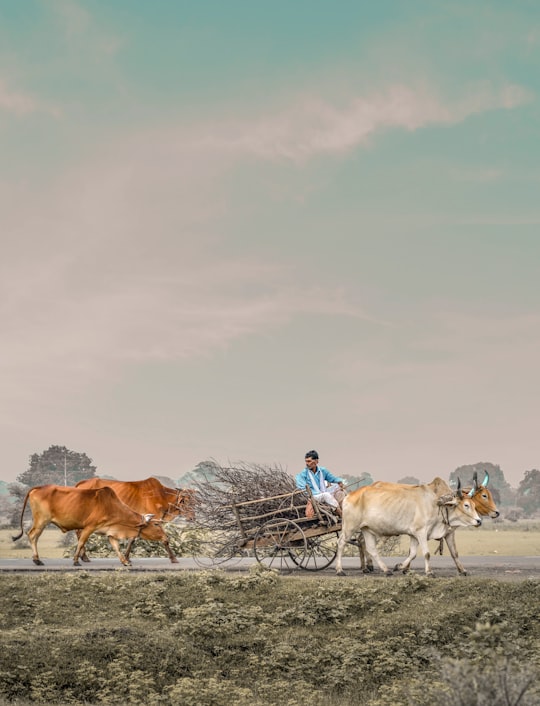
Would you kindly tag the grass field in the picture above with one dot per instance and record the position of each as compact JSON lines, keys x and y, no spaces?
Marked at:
{"x":506,"y":539}
{"x":210,"y":639}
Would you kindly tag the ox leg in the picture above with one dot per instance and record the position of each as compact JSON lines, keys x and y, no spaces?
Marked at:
{"x":371,"y":546}
{"x":345,"y":535}
{"x":82,"y":536}
{"x":366,"y":562}
{"x":131,"y":542}
{"x":170,"y":552}
{"x":451,"y":543}
{"x":406,"y":565}
{"x":83,"y":554}
{"x":166,"y":544}
{"x":422,"y":541}
{"x":34,"y":533}
{"x":116,"y":546}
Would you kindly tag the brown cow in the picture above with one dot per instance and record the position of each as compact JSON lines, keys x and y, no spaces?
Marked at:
{"x":148,"y":496}
{"x":88,"y":511}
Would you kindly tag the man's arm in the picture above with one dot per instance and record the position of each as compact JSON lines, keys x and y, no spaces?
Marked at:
{"x":301,"y":480}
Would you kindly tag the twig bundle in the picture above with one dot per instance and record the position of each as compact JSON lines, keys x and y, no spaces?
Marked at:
{"x":220,"y":497}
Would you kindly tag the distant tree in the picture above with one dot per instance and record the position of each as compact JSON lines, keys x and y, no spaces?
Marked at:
{"x":501,"y":490}
{"x":528,"y":492}
{"x":357,"y":481}
{"x":57,"y":465}
{"x":409,"y":480}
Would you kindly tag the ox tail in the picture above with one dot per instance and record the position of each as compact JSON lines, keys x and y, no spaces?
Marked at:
{"x":22,"y":515}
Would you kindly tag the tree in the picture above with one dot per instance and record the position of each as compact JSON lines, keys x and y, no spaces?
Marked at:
{"x":353,"y":482}
{"x":500,"y":489}
{"x":59,"y":466}
{"x":528,"y":492}
{"x":409,"y":480}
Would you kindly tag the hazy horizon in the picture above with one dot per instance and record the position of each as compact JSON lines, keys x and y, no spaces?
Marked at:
{"x":241,"y":231}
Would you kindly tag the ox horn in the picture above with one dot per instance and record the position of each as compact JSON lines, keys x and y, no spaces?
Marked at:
{"x":148,"y":517}
{"x":474,"y":488}
{"x":458,"y":491}
{"x":486,"y":479}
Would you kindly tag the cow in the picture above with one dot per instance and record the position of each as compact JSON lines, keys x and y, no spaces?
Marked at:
{"x":485,"y":507}
{"x":389,"y":509}
{"x":148,"y":496}
{"x":95,"y":510}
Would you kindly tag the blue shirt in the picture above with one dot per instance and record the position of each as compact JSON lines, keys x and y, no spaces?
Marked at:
{"x":305,"y":478}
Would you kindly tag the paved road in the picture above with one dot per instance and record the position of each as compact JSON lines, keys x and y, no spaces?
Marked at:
{"x":505,"y":568}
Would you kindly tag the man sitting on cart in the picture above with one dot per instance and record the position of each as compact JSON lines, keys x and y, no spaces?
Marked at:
{"x":324,"y":486}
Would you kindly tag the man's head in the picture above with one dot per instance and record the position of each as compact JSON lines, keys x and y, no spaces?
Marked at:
{"x":312,"y":458}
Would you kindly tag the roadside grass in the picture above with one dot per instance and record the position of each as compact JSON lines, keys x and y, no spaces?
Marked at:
{"x":209,"y":639}
{"x":504,"y":538}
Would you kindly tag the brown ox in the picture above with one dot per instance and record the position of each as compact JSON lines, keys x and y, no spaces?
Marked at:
{"x":88,"y":511}
{"x":485,"y":507}
{"x":389,"y":509}
{"x":148,"y":496}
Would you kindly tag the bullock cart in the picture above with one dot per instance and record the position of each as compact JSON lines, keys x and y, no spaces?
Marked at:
{"x":286,"y":530}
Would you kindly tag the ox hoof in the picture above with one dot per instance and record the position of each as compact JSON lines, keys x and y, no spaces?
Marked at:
{"x":86,"y":559}
{"x":174,"y":560}
{"x":76,"y":563}
{"x":38,"y":562}
{"x":341,"y":573}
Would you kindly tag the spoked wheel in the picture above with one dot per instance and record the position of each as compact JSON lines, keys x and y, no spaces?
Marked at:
{"x":321,"y":551}
{"x":280,"y":545}
{"x":217,"y":548}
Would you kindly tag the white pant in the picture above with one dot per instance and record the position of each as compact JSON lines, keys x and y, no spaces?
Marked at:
{"x":328,"y":496}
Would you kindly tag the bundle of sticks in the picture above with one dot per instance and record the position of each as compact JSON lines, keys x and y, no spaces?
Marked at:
{"x":268,"y":490}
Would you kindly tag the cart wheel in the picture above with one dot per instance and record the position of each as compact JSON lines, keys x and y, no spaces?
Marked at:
{"x":321,"y":551}
{"x":280,"y":545}
{"x":216,"y":549}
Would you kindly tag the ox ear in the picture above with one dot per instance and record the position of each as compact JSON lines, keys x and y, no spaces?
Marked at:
{"x":458,"y":491}
{"x":486,"y":479}
{"x":447,"y":499}
{"x":148,"y":517}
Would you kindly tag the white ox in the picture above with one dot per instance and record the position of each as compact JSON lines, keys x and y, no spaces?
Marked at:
{"x":389,"y":509}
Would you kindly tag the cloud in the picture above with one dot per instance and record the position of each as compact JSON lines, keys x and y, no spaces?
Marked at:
{"x":315,"y":126}
{"x":20,"y":103}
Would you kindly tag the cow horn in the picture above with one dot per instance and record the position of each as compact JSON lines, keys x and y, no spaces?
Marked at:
{"x":148,"y":517}
{"x":458,"y":491}
{"x":486,"y":479}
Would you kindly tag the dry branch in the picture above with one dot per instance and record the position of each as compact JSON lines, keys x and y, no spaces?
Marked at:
{"x":249,"y":492}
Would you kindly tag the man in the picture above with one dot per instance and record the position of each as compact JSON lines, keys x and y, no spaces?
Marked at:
{"x":325,"y":487}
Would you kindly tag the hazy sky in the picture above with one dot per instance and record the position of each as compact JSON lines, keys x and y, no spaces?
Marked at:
{"x":241,"y":230}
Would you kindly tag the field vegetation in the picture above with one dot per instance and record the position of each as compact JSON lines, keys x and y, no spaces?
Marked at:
{"x":260,"y":639}
{"x":520,"y":538}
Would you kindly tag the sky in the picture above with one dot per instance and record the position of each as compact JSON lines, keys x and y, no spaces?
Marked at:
{"x":240,"y":231}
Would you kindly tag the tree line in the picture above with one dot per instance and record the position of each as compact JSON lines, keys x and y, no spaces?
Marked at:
{"x":61,"y":466}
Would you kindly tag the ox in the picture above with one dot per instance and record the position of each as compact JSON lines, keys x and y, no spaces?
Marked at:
{"x":485,"y":507}
{"x":88,"y":511}
{"x":148,"y":496}
{"x":389,"y":509}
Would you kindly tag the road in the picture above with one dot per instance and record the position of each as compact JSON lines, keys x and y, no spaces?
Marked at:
{"x":503,"y":568}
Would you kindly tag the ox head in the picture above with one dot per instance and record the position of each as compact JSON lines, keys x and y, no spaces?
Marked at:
{"x":152,"y":529}
{"x":185,"y":502}
{"x":483,"y":499}
{"x":460,"y":509}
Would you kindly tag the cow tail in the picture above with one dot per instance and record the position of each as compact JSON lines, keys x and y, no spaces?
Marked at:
{"x":22,"y":515}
